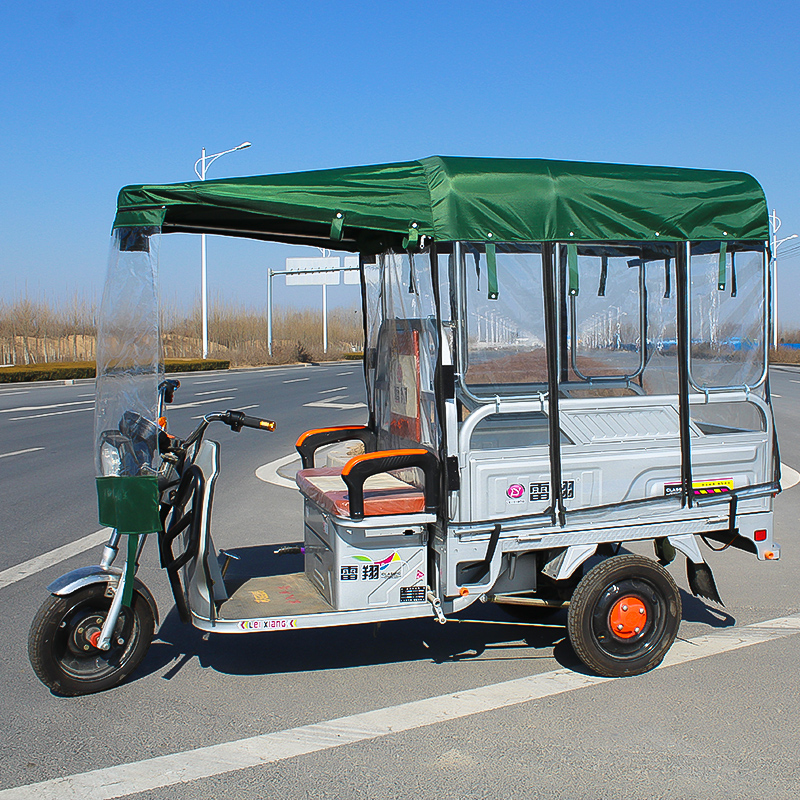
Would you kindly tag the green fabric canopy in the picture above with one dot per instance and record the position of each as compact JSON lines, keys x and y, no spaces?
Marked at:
{"x":454,"y":198}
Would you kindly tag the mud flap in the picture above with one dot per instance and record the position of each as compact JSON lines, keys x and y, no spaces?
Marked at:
{"x":665,"y":551}
{"x":701,"y":581}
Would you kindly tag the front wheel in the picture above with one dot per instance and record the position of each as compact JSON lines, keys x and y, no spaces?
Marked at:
{"x":624,"y":616}
{"x":61,"y":641}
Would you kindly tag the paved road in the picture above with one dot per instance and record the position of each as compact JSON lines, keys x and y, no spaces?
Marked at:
{"x":719,"y":726}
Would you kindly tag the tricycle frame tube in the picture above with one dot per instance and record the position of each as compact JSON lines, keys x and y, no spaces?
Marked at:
{"x":550,"y":257}
{"x":111,"y":550}
{"x":684,"y":343}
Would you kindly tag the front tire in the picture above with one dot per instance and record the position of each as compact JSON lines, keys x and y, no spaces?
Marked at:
{"x":624,"y":616}
{"x":60,"y":645}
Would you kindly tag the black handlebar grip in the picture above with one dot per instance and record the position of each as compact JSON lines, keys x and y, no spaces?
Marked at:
{"x":258,"y":424}
{"x":238,"y":419}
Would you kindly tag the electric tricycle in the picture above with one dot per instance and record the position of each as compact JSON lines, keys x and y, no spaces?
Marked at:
{"x":563,"y":362}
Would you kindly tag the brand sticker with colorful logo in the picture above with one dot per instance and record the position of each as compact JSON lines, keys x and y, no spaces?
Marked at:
{"x":515,"y":494}
{"x":373,"y":570}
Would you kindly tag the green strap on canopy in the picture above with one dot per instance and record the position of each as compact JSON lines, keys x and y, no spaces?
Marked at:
{"x":723,"y":254}
{"x":336,"y":226}
{"x":601,"y":290}
{"x":667,"y":280}
{"x":572,"y":266}
{"x":491,"y":270}
{"x":734,"y":288}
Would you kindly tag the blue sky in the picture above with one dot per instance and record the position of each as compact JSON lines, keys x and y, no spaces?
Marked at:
{"x":99,"y":95}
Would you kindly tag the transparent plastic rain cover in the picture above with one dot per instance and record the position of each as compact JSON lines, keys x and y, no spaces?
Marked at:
{"x":401,"y":350}
{"x":128,"y":363}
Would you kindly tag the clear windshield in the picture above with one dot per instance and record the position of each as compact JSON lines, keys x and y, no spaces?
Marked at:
{"x":128,"y":349}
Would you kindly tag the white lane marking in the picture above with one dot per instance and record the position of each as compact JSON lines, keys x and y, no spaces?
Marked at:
{"x":328,"y":391}
{"x":86,"y":395}
{"x":269,"y":472}
{"x":217,"y":391}
{"x":34,"y":565}
{"x":201,"y":402}
{"x":297,"y":380}
{"x":21,"y":452}
{"x":44,"y":408}
{"x":353,"y":373}
{"x":240,"y":408}
{"x":793,"y":381}
{"x":270,"y":748}
{"x":789,"y":477}
{"x":330,"y":402}
{"x":212,"y":380}
{"x":52,"y":414}
{"x":772,"y":394}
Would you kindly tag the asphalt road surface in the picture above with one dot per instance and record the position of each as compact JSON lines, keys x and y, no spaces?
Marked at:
{"x":404,"y":710}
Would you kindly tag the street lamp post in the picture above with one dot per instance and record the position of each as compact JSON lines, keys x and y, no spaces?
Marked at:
{"x":205,"y":162}
{"x":776,"y":242}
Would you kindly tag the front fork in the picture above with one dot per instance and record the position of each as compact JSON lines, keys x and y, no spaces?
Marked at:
{"x":124,"y":587}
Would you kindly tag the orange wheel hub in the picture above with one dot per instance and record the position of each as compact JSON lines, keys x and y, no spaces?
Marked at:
{"x":628,"y":617}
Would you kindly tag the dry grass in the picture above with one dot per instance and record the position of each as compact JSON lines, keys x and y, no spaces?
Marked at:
{"x":784,"y":355}
{"x":35,"y":331}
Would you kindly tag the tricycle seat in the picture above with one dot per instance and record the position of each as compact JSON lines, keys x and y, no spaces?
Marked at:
{"x":384,"y":494}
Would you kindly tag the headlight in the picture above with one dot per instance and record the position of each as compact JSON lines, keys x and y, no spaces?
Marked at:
{"x":109,"y":459}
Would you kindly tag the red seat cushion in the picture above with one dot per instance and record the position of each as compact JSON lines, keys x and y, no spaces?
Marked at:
{"x":384,"y":494}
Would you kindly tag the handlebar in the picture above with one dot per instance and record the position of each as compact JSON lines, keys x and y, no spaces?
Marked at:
{"x":177,"y":452}
{"x":235,"y":420}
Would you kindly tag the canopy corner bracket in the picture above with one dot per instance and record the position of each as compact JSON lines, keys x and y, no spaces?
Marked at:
{"x":412,"y":239}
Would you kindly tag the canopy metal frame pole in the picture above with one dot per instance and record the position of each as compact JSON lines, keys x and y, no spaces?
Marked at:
{"x":204,"y":163}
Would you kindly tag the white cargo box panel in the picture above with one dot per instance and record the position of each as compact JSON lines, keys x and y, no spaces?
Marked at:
{"x":365,"y":567}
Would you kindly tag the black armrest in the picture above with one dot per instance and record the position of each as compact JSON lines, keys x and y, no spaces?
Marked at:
{"x":359,"y":468}
{"x":311,"y":441}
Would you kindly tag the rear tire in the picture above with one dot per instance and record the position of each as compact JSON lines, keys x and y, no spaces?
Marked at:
{"x":624,"y":616}
{"x":60,"y":645}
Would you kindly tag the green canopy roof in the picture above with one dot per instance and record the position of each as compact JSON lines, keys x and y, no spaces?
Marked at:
{"x":454,"y":198}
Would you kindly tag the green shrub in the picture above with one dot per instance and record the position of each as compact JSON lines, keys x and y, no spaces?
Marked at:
{"x":54,"y":371}
{"x":194,"y":364}
{"x":64,"y":371}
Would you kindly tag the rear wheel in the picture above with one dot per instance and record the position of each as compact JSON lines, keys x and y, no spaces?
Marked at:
{"x":624,"y":616}
{"x":61,"y":644}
